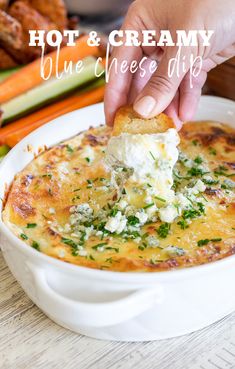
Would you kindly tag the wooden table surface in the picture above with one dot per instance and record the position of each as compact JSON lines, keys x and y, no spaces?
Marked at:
{"x":29,"y":340}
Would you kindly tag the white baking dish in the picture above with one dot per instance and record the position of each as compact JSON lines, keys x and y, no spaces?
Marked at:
{"x":113,"y":305}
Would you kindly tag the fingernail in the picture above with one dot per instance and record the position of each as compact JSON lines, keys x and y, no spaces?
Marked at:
{"x":145,"y":106}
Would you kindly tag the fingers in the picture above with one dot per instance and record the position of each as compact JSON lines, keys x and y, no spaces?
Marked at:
{"x":138,"y":82}
{"x":189,"y":97}
{"x":162,"y":87}
{"x":119,"y":81}
{"x":173,"y":111}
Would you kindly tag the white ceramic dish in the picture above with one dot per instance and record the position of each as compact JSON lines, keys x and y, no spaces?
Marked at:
{"x":112,"y":305}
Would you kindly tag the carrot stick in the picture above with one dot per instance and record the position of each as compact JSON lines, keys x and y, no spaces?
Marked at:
{"x":29,"y":76}
{"x":14,"y":132}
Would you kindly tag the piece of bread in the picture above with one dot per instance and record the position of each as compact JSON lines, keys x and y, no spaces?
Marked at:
{"x":128,"y":121}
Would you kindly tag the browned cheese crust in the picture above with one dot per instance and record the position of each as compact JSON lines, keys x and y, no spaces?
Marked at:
{"x":38,"y":204}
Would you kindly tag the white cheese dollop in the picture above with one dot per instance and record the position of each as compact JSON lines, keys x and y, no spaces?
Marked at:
{"x":150,"y":156}
{"x":116,"y":224}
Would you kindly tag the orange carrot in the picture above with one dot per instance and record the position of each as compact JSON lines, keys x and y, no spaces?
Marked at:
{"x":29,"y":76}
{"x":14,"y":132}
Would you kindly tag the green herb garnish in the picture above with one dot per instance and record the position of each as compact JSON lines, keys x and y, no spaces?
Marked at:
{"x":69,"y":242}
{"x":23,"y":236}
{"x":116,"y":249}
{"x":113,"y":212}
{"x":148,"y":206}
{"x":35,"y":245}
{"x":198,"y":160}
{"x":194,"y":172}
{"x":210,"y":181}
{"x":207,"y":240}
{"x":183,"y":224}
{"x":31,"y":225}
{"x":152,"y":155}
{"x":164,"y":230}
{"x":159,"y":198}
{"x":212,"y":151}
{"x":47,"y":175}
{"x":99,"y":245}
{"x":132,"y":220}
{"x":69,"y":149}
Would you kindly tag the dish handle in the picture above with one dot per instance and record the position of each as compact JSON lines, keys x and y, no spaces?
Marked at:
{"x":93,"y":314}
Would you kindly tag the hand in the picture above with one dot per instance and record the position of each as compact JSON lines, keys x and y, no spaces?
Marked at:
{"x":158,"y":92}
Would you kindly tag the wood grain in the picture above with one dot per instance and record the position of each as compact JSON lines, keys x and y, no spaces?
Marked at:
{"x":221,"y":80}
{"x":29,"y":340}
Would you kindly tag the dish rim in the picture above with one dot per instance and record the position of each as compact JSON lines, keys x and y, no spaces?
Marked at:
{"x":141,"y":277}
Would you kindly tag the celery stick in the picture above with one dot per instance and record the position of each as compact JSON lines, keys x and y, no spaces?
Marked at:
{"x":49,"y":91}
{"x":4,"y":150}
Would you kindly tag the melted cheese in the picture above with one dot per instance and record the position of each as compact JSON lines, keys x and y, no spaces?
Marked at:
{"x":66,"y":206}
{"x":151,"y":157}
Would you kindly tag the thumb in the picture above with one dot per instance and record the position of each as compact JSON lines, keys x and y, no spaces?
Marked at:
{"x":163,"y":85}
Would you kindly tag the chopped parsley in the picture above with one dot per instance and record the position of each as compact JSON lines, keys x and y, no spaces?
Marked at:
{"x":72,"y":244}
{"x":69,"y":149}
{"x":195,"y":142}
{"x":35,"y":245}
{"x":90,"y":183}
{"x":23,"y":236}
{"x":99,"y":246}
{"x":201,"y":207}
{"x":198,"y":160}
{"x":148,"y":206}
{"x":159,"y":198}
{"x":88,"y":159}
{"x":222,"y":171}
{"x":195,"y":172}
{"x":132,"y":220}
{"x":116,"y":249}
{"x":75,"y":198}
{"x":31,"y":225}
{"x":109,"y":260}
{"x":164,"y":230}
{"x":207,"y":240}
{"x":183,"y":224}
{"x":210,"y":181}
{"x":143,"y":246}
{"x":113,"y":212}
{"x":178,"y":175}
{"x":47,"y":175}
{"x":212,"y":151}
{"x":152,"y":155}
{"x":69,"y":242}
{"x":190,"y":214}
